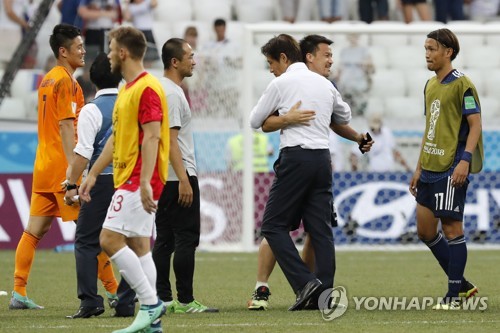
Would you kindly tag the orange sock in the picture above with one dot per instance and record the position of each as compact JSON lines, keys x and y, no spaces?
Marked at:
{"x":25,"y":253}
{"x":105,"y":273}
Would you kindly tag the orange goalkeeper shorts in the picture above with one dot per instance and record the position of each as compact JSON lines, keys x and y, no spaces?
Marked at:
{"x":52,"y":204}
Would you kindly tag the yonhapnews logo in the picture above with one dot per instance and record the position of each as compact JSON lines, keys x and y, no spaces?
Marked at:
{"x":333,"y":303}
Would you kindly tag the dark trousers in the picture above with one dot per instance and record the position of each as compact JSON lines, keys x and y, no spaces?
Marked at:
{"x":87,"y":248}
{"x":302,"y":188}
{"x":366,"y":10}
{"x":448,"y":8}
{"x":177,"y":230}
{"x":126,"y":300}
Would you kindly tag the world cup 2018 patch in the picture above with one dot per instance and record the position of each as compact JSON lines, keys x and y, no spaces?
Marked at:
{"x":470,"y":103}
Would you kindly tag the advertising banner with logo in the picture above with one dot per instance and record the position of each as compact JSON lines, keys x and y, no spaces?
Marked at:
{"x":372,"y":208}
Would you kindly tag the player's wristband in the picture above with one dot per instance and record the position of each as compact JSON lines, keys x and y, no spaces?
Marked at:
{"x":70,"y":187}
{"x":466,"y":156}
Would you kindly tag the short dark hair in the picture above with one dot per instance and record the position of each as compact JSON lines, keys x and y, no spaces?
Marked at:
{"x":132,"y":39}
{"x":282,"y":43}
{"x":101,"y":74}
{"x":309,"y":44}
{"x":172,"y":49}
{"x":446,"y":38}
{"x":218,"y":22}
{"x":62,"y":36}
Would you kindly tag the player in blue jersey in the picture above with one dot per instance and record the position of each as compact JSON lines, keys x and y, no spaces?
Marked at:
{"x":451,"y":149}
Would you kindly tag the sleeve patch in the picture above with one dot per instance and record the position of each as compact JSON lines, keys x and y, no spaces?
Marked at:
{"x":470,"y":103}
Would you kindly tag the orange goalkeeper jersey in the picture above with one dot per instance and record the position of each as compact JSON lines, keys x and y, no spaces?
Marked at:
{"x":59,"y":97}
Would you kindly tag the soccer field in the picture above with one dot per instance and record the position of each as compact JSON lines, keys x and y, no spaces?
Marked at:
{"x":226,"y":281}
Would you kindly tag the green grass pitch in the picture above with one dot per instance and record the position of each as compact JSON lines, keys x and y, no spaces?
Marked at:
{"x":226,"y":280}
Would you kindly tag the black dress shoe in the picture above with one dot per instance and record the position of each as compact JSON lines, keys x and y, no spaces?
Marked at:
{"x":87,"y":312}
{"x":305,"y":294}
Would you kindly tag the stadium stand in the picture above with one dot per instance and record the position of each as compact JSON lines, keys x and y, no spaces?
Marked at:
{"x":255,"y":11}
{"x":208,"y":11}
{"x":12,"y":108}
{"x":173,"y":11}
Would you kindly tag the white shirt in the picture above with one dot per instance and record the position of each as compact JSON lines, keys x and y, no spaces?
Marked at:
{"x":336,"y":152}
{"x":381,"y":155}
{"x":89,"y":124}
{"x":298,"y":83}
{"x":142,"y":15}
{"x":19,"y":7}
{"x":179,"y":115}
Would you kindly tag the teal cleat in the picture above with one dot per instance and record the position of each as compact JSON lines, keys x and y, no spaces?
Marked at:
{"x":18,"y":302}
{"x":154,"y":327}
{"x":146,"y":316}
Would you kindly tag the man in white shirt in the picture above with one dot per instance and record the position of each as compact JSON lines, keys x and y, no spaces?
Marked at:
{"x":94,"y":129}
{"x":384,"y":156}
{"x":303,"y":184}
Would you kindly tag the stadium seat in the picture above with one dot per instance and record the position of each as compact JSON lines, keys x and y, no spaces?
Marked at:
{"x":388,"y":83}
{"x":173,"y":11}
{"x":162,"y":31}
{"x":12,"y":108}
{"x":415,"y":81}
{"x":208,"y":11}
{"x":418,"y":39}
{"x":477,"y":77}
{"x":255,"y":11}
{"x":404,"y":107}
{"x":491,"y":80}
{"x":389,"y":40}
{"x":485,"y":57}
{"x":375,"y":105}
{"x":25,"y":82}
{"x":379,"y":57}
{"x":467,"y":40}
{"x":403,"y":57}
{"x":492,"y":39}
{"x":490,"y":109}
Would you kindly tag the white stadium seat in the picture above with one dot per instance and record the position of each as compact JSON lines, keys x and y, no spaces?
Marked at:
{"x":485,"y":57}
{"x":388,"y":83}
{"x":208,"y":11}
{"x":491,"y":80}
{"x":415,"y":81}
{"x":255,"y":11}
{"x":25,"y":82}
{"x":490,"y":109}
{"x":477,"y":77}
{"x":404,"y":107}
{"x":389,"y":40}
{"x":173,"y":11}
{"x":379,"y":56}
{"x":12,"y":108}
{"x":162,"y":31}
{"x":375,"y":105}
{"x":403,"y":57}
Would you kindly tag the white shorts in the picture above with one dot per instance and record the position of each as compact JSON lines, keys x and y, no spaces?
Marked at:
{"x":126,"y":215}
